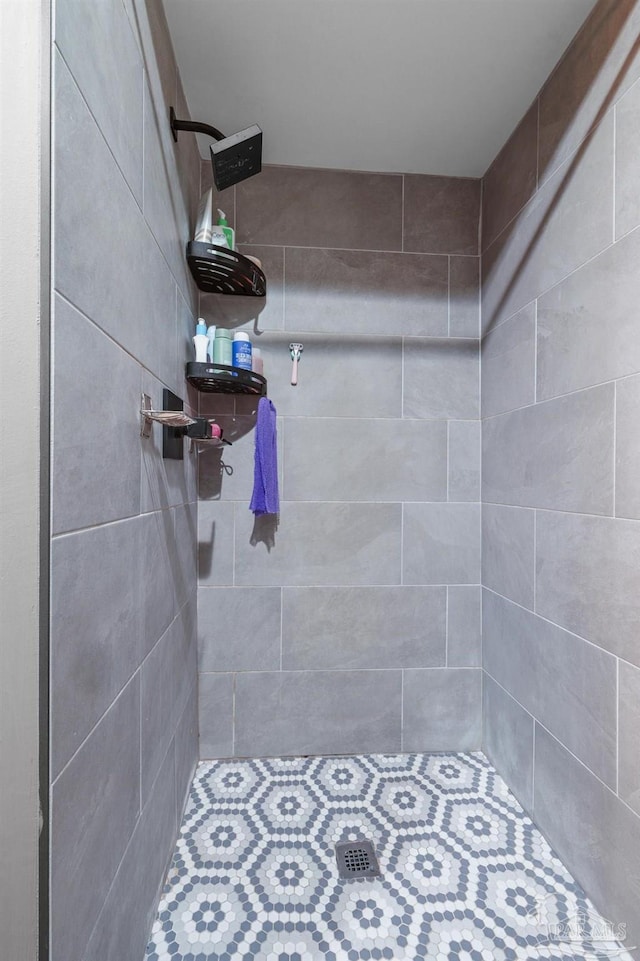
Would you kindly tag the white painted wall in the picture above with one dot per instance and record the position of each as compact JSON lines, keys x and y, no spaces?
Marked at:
{"x":22,"y":23}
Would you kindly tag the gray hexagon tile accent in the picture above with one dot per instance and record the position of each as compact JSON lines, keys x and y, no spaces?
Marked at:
{"x":466,"y":876}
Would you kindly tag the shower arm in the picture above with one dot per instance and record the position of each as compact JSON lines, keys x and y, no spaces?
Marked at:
{"x":206,"y":128}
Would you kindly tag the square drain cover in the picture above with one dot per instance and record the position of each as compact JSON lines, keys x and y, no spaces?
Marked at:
{"x":357,"y":859}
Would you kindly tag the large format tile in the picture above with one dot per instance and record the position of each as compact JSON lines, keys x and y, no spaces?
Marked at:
{"x":508,"y":561}
{"x":87,"y":34}
{"x":441,"y":378}
{"x":366,"y":292}
{"x":441,"y":544}
{"x":319,"y":544}
{"x":342,"y":628}
{"x":442,"y":710}
{"x":628,"y":741}
{"x":556,"y":455}
{"x":365,"y":460}
{"x":158,"y":601}
{"x":96,"y":639}
{"x":216,"y":709}
{"x":593,"y":73}
{"x":96,"y":426}
{"x":239,"y":628}
{"x":346,"y":375}
{"x":627,"y":148}
{"x":511,"y":179}
{"x":628,"y":448}
{"x":464,"y":460}
{"x":303,"y":207}
{"x":588,"y":578}
{"x":564,"y":682}
{"x":186,"y":747}
{"x":129,"y":908}
{"x":184,"y":557}
{"x":441,"y":214}
{"x":595,"y":834}
{"x":215,"y":543}
{"x":94,"y":808}
{"x":464,"y":626}
{"x":317,"y":712}
{"x":166,"y":680}
{"x":509,"y":364}
{"x":130,"y":297}
{"x":165,"y":483}
{"x":507,"y":739}
{"x":253,"y":314}
{"x":464,"y":296}
{"x":587,"y":333}
{"x":568,"y":221}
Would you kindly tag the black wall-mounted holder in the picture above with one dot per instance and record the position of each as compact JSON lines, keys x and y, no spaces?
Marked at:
{"x":233,"y":158}
{"x":176,"y":425}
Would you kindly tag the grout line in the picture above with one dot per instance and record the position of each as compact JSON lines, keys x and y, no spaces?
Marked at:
{"x":615,"y":441}
{"x":615,"y":127}
{"x":535,"y":560}
{"x":281,"y":621}
{"x":402,"y":218}
{"x":449,"y":295}
{"x":402,"y":365}
{"x":233,"y":568}
{"x":533,"y":764}
{"x":535,"y":351}
{"x":569,"y":393}
{"x":402,"y":545}
{"x":448,"y":460}
{"x":618,"y":726}
{"x":284,"y":289}
{"x":537,"y":143}
{"x":446,"y":627}
{"x":401,"y":709}
{"x":233,"y":716}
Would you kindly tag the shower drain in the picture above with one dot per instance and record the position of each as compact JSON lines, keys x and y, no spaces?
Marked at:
{"x":357,"y":859}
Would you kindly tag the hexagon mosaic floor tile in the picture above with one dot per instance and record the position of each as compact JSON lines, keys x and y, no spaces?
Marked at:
{"x":465,"y":875}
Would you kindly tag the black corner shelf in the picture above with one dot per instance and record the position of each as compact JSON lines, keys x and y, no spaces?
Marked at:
{"x":219,"y":270}
{"x":222,"y":379}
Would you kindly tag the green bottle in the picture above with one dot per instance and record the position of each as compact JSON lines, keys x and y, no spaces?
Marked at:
{"x":228,"y":231}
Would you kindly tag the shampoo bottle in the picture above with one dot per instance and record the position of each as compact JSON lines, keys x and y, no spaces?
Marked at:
{"x":242,"y":350}
{"x":201,"y":341}
{"x":228,"y":231}
{"x":222,"y":353}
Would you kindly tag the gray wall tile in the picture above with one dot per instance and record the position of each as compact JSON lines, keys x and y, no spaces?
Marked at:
{"x":507,"y":740}
{"x":464,"y":297}
{"x":442,"y":710}
{"x":594,"y":833}
{"x":627,"y":147}
{"x":464,"y":460}
{"x":508,"y":561}
{"x":441,"y":214}
{"x":126,"y":296}
{"x":342,"y":376}
{"x":342,"y":628}
{"x":627,"y":448}
{"x":441,"y":544}
{"x":164,"y":688}
{"x":130,"y":907}
{"x":86,"y":488}
{"x":464,"y":626}
{"x":568,"y":221}
{"x":184,"y":555}
{"x":164,"y":483}
{"x":586,"y":332}
{"x":87,"y":34}
{"x":441,"y":378}
{"x":239,"y":628}
{"x":186,"y":748}
{"x":100,"y":790}
{"x":159,"y":602}
{"x":589,"y":75}
{"x":306,"y":207}
{"x":96,"y":635}
{"x":566,"y":683}
{"x":366,"y":292}
{"x":216,"y":700}
{"x":588,"y":578}
{"x":319,"y":544}
{"x":557,"y":455}
{"x":629,"y":743}
{"x":512,"y":178}
{"x":317,"y":712}
{"x":509,"y":364}
{"x":367,"y":460}
{"x":215,"y":543}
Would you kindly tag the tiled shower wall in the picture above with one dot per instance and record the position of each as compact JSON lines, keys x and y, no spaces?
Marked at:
{"x":123,"y":643}
{"x":355,"y":625}
{"x":561,"y":460}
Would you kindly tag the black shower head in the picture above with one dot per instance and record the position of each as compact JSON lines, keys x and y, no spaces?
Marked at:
{"x":236,"y":158}
{"x":233,"y":158}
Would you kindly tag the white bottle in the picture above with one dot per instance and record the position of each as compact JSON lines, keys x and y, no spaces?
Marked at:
{"x":211,"y":334}
{"x":201,"y":342}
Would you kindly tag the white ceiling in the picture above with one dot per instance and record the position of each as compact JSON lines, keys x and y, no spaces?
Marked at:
{"x":418,"y":86}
